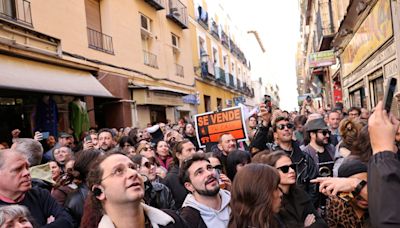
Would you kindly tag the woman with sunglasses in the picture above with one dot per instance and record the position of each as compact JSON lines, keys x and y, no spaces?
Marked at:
{"x":156,"y":194}
{"x":116,"y":194}
{"x":297,"y":208}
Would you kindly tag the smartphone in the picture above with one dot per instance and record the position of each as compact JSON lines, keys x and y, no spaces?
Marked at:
{"x":268,"y":103}
{"x":389,"y":93}
{"x":45,"y":134}
{"x":88,"y":138}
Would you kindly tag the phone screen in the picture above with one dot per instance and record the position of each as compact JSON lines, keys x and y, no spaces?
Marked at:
{"x":389,"y":93}
{"x":45,"y":135}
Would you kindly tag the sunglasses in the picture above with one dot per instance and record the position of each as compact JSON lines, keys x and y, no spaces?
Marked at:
{"x":282,"y":126}
{"x":324,"y":132}
{"x":285,"y":168}
{"x":219,"y":167}
{"x":148,"y":164}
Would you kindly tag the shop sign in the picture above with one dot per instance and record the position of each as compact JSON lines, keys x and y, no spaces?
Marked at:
{"x":238,"y":100}
{"x":321,"y":59}
{"x":211,"y":125}
{"x":375,"y":30}
{"x":191,"y":99}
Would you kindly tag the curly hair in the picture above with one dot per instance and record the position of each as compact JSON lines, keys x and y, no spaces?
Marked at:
{"x":349,"y":130}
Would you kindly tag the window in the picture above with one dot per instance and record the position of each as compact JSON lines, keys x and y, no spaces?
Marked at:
{"x":175,"y":42}
{"x":145,"y":22}
{"x":207,"y":103}
{"x":377,"y":88}
{"x":219,"y":103}
{"x":145,"y":27}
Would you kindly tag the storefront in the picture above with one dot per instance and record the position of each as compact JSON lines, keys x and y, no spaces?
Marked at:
{"x":154,"y":104}
{"x":36,"y":96}
{"x":369,"y":58}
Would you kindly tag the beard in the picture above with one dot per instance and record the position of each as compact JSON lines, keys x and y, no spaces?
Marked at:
{"x":208,"y":192}
{"x":320,"y":142}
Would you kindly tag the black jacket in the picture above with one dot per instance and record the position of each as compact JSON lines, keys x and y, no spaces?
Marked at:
{"x":306,"y":169}
{"x":192,"y":217}
{"x":383,"y":190}
{"x":75,"y":202}
{"x":41,"y":206}
{"x":159,"y":196}
{"x":178,"y":191}
{"x":296,"y":205}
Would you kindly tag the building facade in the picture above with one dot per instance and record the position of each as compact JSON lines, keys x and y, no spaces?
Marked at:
{"x":223,"y":74}
{"x":128,"y":63}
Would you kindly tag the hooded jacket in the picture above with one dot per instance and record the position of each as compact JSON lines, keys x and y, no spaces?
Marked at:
{"x":210,"y":216}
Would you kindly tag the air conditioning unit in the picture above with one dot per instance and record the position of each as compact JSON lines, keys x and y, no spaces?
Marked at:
{"x":145,"y":28}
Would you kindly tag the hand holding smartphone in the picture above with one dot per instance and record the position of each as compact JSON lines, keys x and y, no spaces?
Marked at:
{"x":389,"y":93}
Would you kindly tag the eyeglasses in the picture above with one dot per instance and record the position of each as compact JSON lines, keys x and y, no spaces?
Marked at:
{"x":285,"y":168}
{"x":282,"y":126}
{"x":324,"y":132}
{"x":121,"y":170}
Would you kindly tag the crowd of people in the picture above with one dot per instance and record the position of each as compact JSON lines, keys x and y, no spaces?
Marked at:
{"x":315,"y":168}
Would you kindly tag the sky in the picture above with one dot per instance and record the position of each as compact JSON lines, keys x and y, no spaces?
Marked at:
{"x":277,"y":23}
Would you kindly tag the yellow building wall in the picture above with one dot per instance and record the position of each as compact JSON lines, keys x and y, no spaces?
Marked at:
{"x":66,"y":20}
{"x":214,"y":92}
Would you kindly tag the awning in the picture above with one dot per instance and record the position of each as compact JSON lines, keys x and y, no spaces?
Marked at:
{"x":166,"y":89}
{"x":21,"y":74}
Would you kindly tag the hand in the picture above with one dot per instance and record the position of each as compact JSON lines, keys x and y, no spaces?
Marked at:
{"x":15,"y":133}
{"x":50,"y":219}
{"x":226,"y":180}
{"x":382,"y":130}
{"x":310,"y":219}
{"x":38,"y":136}
{"x":333,"y":185}
{"x":264,"y":114}
{"x":87,"y":145}
{"x":305,"y":103}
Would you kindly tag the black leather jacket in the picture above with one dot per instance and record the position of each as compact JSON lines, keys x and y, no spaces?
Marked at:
{"x":306,"y":169}
{"x":75,"y":203}
{"x":159,"y":196}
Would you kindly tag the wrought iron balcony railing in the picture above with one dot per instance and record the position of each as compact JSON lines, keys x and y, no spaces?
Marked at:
{"x":177,"y":12}
{"x":179,"y":70}
{"x":150,"y":59}
{"x":156,"y":4}
{"x":100,"y":41}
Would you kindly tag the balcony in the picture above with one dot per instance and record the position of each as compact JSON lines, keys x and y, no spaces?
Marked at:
{"x":214,"y":30}
{"x":178,"y":13}
{"x":18,"y":11}
{"x":238,"y":84}
{"x":221,"y":75}
{"x":208,"y":70}
{"x":100,"y":41}
{"x":231,"y":81}
{"x":224,"y":39}
{"x":179,"y":70}
{"x":156,"y":4}
{"x":202,"y":17}
{"x":150,"y":59}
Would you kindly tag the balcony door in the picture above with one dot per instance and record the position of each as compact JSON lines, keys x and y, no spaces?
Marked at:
{"x":93,"y":16}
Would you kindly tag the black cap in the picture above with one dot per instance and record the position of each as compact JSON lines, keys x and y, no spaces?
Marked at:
{"x":350,"y":167}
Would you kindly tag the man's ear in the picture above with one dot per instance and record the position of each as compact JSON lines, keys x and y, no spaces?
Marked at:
{"x":219,"y":147}
{"x":189,"y":187}
{"x":98,"y":192}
